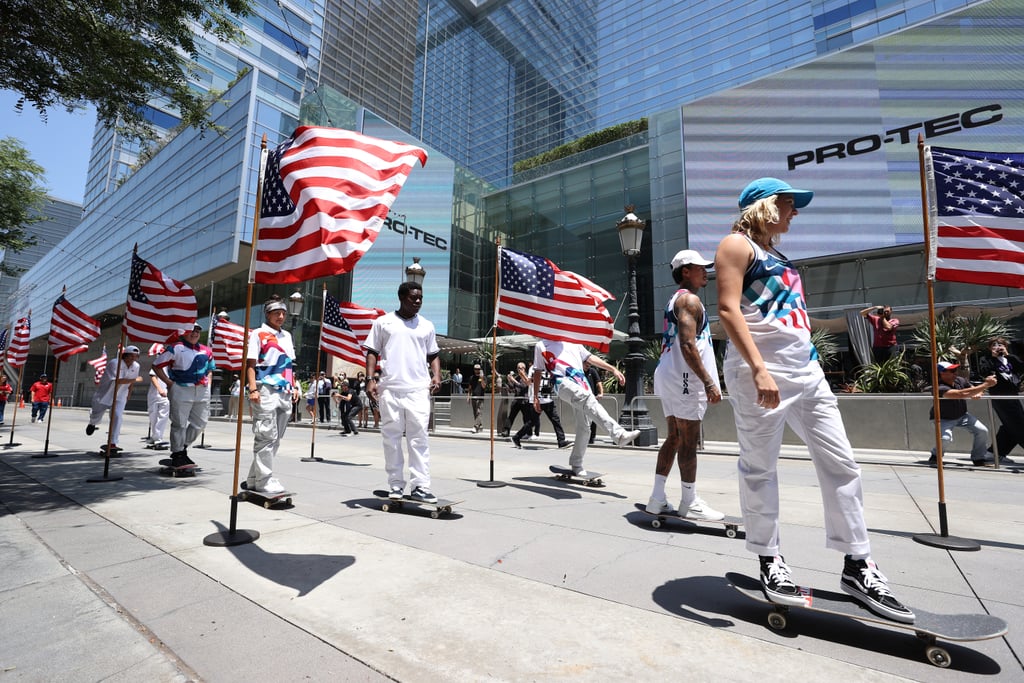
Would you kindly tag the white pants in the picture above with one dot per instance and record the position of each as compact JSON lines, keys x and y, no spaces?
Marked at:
{"x":99,"y":408}
{"x":979,"y":446}
{"x":586,"y":409}
{"x":269,"y":420}
{"x":159,"y":410}
{"x":405,"y":412}
{"x":190,"y":411}
{"x":811,"y":410}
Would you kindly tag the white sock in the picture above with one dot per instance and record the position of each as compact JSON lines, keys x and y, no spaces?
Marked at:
{"x":689,"y":494}
{"x":658,"y":492}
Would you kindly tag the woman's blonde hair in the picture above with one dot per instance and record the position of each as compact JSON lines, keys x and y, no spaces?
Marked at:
{"x":756,"y":217}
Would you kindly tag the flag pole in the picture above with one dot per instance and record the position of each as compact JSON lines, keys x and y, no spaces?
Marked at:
{"x":233,"y":536}
{"x":21,"y":376}
{"x":209,"y":398}
{"x":312,"y":439}
{"x":942,"y":539}
{"x":491,"y":483}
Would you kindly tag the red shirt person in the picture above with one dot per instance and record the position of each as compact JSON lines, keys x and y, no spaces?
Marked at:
{"x":883,"y":346}
{"x":40,"y":392}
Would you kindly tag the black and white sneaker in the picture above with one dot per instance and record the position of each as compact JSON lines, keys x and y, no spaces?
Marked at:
{"x":396,"y":493}
{"x":863,"y":581}
{"x":777,"y":583}
{"x":179,"y":459}
{"x":423,"y":495}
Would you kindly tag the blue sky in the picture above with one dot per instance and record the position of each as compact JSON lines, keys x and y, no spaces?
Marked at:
{"x":60,"y":145}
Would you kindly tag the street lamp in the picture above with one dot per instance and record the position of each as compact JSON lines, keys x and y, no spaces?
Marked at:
{"x":415,"y":272}
{"x":295,"y":306}
{"x":634,"y":415}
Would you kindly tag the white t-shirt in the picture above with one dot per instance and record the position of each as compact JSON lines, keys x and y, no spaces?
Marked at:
{"x":105,"y":390}
{"x":156,"y":385}
{"x":404,"y":345}
{"x":564,"y":360}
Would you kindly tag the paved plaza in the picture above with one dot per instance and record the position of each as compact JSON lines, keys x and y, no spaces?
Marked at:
{"x":537,"y":580}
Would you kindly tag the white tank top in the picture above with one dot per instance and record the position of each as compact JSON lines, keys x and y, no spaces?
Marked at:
{"x":671,"y":365}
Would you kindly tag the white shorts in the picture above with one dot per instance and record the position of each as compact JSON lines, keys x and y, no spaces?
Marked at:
{"x":690,"y":405}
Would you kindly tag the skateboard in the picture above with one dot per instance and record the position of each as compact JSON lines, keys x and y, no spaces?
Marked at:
{"x":437,"y":509}
{"x":731,"y":524}
{"x":927,"y":626}
{"x":114,"y":453}
{"x":159,"y":446}
{"x":283,"y":499}
{"x":565,"y":474}
{"x":183,"y":471}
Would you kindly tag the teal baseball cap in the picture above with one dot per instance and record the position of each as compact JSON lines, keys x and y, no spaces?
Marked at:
{"x":766,"y":187}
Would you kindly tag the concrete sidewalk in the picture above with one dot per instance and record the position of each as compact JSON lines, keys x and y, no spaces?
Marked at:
{"x":536,"y":580}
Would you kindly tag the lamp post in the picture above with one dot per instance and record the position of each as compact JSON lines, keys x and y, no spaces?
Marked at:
{"x":634,"y":414}
{"x":415,"y":272}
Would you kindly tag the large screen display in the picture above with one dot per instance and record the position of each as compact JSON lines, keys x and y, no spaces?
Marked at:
{"x":846,"y":126}
{"x":419,"y":225}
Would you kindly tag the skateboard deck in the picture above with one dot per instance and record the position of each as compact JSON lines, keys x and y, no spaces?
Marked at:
{"x":114,"y":453}
{"x":283,"y":499}
{"x":441,"y":507}
{"x":731,"y":524}
{"x":159,"y":446}
{"x":565,"y":474}
{"x":927,"y":626}
{"x":184,"y":471}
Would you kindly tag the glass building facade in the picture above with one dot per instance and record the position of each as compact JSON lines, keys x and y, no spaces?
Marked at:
{"x":283,"y":43}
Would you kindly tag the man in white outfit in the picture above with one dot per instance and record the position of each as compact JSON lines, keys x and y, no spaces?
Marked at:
{"x":407,"y":344}
{"x":104,"y":398}
{"x":270,"y":383}
{"x":686,"y":380}
{"x":159,"y":410}
{"x":186,"y":368}
{"x":564,"y":360}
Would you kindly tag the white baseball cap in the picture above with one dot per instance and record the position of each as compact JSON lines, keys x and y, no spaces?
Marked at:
{"x":689,"y":257}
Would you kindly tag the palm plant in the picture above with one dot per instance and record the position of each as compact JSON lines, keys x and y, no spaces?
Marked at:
{"x":889,"y":376}
{"x":960,"y":336}
{"x":825,"y":342}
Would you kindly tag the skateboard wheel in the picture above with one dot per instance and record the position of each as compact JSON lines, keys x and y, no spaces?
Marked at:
{"x":434,"y":514}
{"x":938,"y":656}
{"x":777,"y":621}
{"x":598,"y":482}
{"x":385,"y":507}
{"x":288,"y":502}
{"x":730,"y":532}
{"x":656,"y":523}
{"x":447,"y":509}
{"x":267,"y":504}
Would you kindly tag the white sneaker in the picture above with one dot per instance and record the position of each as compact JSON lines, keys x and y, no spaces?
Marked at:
{"x":699,"y":509}
{"x":626,"y":438}
{"x":659,"y":507}
{"x":580,"y":472}
{"x":271,"y":488}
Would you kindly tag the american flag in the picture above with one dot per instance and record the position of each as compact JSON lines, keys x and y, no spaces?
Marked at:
{"x":99,"y":365}
{"x":346,"y":326}
{"x":227,"y":344}
{"x":976,"y":201}
{"x":537,"y":298}
{"x":3,"y":339}
{"x":159,"y":308}
{"x":17,"y":354}
{"x":156,"y":349}
{"x":326,"y":193}
{"x":71,"y":331}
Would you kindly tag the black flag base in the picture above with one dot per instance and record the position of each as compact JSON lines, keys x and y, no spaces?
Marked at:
{"x":491,"y":484}
{"x":226,"y":538}
{"x":947,"y":542}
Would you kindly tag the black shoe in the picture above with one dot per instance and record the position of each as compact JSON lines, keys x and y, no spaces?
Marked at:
{"x":777,"y":583}
{"x":423,"y":495}
{"x":565,"y":444}
{"x":516,"y":441}
{"x":863,"y":581}
{"x":179,"y":459}
{"x":90,"y":429}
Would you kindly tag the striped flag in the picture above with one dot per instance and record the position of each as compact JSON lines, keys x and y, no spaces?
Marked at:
{"x":346,"y":326}
{"x":17,"y":354}
{"x":71,"y":331}
{"x":159,"y":308}
{"x":99,"y":365}
{"x":976,"y":202}
{"x":326,"y":193}
{"x":227,"y":344}
{"x":156,"y":349}
{"x":3,"y":339}
{"x":535,"y":297}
